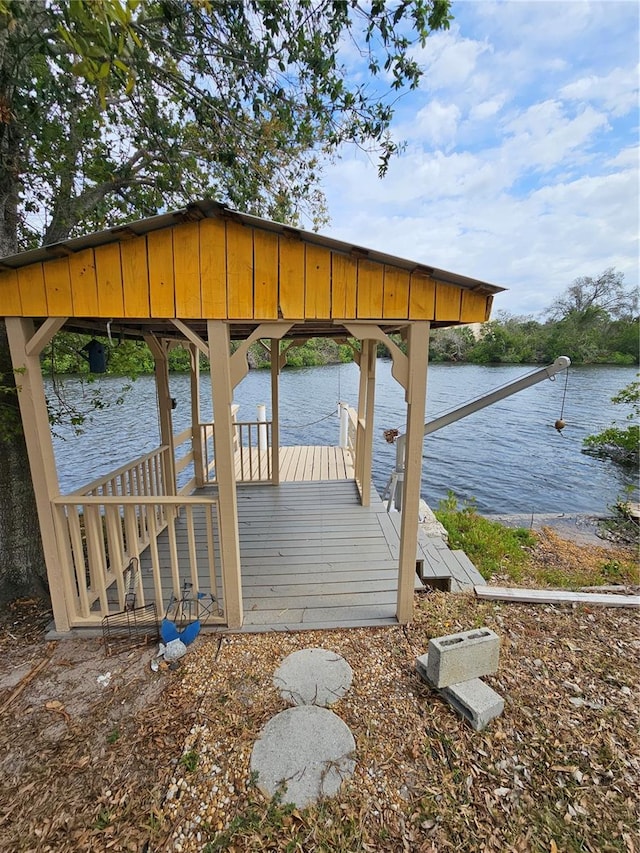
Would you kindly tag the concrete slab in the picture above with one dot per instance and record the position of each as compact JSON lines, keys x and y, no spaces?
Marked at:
{"x":303,"y":753}
{"x":313,"y":677}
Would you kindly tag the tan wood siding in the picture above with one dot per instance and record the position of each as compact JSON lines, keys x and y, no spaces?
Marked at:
{"x":317,"y":282}
{"x":370,"y":289}
{"x":186,"y":267}
{"x":84,"y":287}
{"x":135,"y":277}
{"x":32,"y":293}
{"x":213,"y":268}
{"x":344,"y":278}
{"x":473,"y":304}
{"x":222,"y":269}
{"x":291,"y":278}
{"x":422,"y":297}
{"x":57,"y":282}
{"x":396,"y":293}
{"x":448,"y":302}
{"x":265,"y":257}
{"x":109,"y":280}
{"x":239,"y":271}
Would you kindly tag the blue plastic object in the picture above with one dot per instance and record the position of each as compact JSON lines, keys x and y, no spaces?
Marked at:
{"x":168,"y":631}
{"x":189,"y":633}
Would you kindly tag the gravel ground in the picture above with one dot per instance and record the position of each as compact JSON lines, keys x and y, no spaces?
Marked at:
{"x":560,"y":767}
{"x":160,"y":761}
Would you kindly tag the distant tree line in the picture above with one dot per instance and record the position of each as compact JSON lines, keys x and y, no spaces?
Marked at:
{"x":595,"y":321}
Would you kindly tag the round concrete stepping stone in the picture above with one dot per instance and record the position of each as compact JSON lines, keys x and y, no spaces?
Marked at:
{"x":303,"y":753}
{"x":313,"y":677}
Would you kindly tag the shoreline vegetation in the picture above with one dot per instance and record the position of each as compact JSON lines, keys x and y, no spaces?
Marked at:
{"x":503,"y":341}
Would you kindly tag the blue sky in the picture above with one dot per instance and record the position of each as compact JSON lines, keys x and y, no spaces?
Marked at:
{"x":521,"y":166}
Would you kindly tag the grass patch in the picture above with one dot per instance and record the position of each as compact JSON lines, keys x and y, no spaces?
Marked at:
{"x":491,"y":546}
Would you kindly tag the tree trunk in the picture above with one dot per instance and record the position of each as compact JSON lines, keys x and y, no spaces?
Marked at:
{"x":22,"y":566}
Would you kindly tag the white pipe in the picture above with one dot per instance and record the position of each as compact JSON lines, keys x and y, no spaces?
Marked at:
{"x":262,"y":430}
{"x":343,"y":409}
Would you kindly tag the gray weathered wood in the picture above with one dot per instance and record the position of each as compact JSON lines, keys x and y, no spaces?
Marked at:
{"x":555,"y":596}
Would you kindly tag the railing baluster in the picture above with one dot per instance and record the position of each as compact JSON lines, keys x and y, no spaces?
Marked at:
{"x":133,"y":552}
{"x":173,"y":554}
{"x":193,"y":554}
{"x":96,"y":555}
{"x":213,"y":581}
{"x":155,"y":562}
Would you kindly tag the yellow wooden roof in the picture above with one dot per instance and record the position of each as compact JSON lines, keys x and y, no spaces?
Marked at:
{"x":209,"y":262}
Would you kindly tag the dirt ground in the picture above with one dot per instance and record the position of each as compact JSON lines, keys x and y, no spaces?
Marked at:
{"x":100,"y":753}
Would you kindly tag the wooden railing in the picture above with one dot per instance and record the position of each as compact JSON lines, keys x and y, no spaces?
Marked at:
{"x":253,"y":452}
{"x":100,"y":535}
{"x":185,"y":459}
{"x":352,"y":433}
{"x":144,"y":476}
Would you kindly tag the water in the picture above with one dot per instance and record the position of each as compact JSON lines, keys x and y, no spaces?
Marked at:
{"x":508,"y":457}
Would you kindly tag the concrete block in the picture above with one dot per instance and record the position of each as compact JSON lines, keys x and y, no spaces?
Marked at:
{"x":475,"y":701}
{"x":461,"y":657}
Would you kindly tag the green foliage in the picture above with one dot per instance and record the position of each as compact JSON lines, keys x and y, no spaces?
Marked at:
{"x":491,"y":546}
{"x":620,"y":443}
{"x":124,"y":107}
{"x":189,"y":760}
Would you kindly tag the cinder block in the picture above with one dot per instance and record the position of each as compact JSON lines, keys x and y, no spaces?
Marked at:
{"x":475,"y":701}
{"x":461,"y":657}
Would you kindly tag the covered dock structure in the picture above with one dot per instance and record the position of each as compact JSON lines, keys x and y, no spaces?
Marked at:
{"x":259,"y":536}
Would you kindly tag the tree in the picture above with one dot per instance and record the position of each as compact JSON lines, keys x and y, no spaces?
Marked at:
{"x":622,"y":444}
{"x":589,"y":296}
{"x":117,"y":108}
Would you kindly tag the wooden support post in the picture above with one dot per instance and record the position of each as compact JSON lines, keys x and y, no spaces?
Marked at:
{"x":161,"y":361}
{"x":222,"y":397}
{"x":196,"y":437}
{"x":367,"y":441}
{"x":35,"y":421}
{"x":275,"y":411}
{"x":362,"y":408}
{"x":418,"y":344}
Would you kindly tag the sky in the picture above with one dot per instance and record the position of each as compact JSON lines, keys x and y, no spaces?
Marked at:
{"x":521,"y":165}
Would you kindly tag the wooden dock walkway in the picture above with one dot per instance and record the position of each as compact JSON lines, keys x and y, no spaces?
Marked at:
{"x":312,"y":556}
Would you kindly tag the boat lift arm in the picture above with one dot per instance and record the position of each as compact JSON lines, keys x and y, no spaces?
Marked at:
{"x":561,"y":363}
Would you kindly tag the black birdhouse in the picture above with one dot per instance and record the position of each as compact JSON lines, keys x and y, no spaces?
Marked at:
{"x":96,"y":355}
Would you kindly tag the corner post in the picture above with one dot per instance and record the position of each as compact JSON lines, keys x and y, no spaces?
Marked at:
{"x":222,"y":398}
{"x":275,"y":411}
{"x":35,"y":422}
{"x":418,"y":345}
{"x":196,"y":438}
{"x":161,"y":361}
{"x":367,"y":443}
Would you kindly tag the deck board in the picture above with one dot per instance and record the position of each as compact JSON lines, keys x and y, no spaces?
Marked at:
{"x":312,"y":556}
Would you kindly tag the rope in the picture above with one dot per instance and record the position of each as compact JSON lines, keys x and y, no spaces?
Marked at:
{"x":333,"y":414}
{"x":564,"y":395}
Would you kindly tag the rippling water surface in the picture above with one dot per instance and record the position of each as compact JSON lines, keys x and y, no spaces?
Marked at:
{"x":508,"y":457}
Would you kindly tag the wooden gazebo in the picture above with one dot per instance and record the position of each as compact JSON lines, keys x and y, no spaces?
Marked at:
{"x":204,"y":277}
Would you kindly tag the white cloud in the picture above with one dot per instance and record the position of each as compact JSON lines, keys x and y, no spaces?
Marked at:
{"x":522,"y":165}
{"x":616,"y":91}
{"x":437,"y":123}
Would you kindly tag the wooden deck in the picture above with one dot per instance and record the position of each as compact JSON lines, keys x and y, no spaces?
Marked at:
{"x":297,"y":464}
{"x":313,"y":557}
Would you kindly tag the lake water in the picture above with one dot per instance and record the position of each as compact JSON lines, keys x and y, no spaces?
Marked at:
{"x":508,"y":457}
